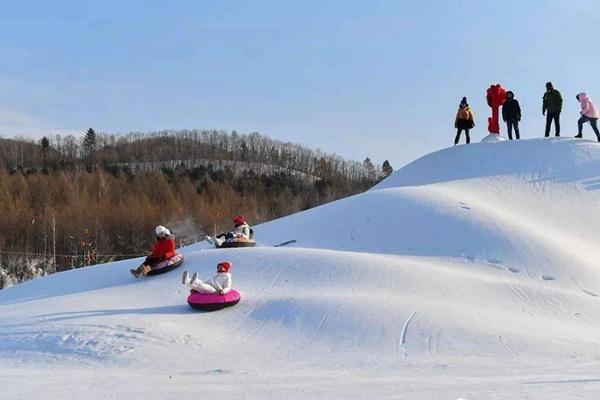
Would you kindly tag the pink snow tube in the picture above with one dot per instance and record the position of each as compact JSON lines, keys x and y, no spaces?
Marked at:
{"x":212,"y":302}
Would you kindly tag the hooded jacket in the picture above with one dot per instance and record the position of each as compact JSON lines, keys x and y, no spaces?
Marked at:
{"x":464,"y":118}
{"x":587,"y":107}
{"x":242,"y":230}
{"x":221,"y":281}
{"x":164,"y":248}
{"x":511,"y":110}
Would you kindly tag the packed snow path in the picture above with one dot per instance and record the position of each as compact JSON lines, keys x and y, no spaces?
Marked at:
{"x":469,"y":273}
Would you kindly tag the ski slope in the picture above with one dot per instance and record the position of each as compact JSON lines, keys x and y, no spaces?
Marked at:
{"x":470,"y":273}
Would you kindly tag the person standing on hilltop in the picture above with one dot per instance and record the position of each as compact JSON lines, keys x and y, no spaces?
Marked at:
{"x":464,"y":121}
{"x":552,"y":105}
{"x":589,"y":113}
{"x":511,"y":114}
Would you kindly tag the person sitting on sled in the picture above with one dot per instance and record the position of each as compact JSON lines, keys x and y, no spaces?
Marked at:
{"x":240,"y":233}
{"x":164,"y":248}
{"x":218,"y":284}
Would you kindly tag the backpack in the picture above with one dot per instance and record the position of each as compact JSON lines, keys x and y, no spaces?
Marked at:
{"x":463,"y":113}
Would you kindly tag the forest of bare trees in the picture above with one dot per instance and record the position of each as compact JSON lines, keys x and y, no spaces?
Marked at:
{"x":69,"y":202}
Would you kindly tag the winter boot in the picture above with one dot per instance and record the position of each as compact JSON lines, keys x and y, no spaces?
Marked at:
{"x":185,"y":279}
{"x":194,"y":277}
{"x":578,"y":136}
{"x":145,"y":269}
{"x":135,"y":272}
{"x":210,"y":240}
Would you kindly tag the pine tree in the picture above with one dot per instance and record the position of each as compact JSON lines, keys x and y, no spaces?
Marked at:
{"x":386,"y":169}
{"x":45,"y":144}
{"x":244,"y":152}
{"x":89,"y":146}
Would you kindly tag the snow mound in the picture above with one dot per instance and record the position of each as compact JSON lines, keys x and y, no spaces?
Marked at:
{"x":493,"y":138}
{"x":470,"y":272}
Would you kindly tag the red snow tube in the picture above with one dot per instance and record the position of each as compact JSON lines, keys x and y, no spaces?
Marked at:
{"x":167,"y":265}
{"x":212,"y":302}
{"x":232,"y":245}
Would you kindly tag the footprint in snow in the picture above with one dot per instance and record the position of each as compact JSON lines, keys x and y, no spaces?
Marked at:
{"x":589,"y":292}
{"x":547,"y":277}
{"x":493,"y":261}
{"x":514,"y":270}
{"x":464,"y":206}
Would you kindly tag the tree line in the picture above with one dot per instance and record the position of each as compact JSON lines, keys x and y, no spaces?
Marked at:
{"x":70,"y":202}
{"x":176,"y":146}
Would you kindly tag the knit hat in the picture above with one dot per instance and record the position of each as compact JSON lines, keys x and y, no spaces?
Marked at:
{"x":463,"y":102}
{"x":226,"y":265}
{"x":549,"y":85}
{"x":161,"y":231}
{"x":239,"y":220}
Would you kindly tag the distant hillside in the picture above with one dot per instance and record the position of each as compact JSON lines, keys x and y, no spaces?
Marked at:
{"x":72,"y":201}
{"x":192,"y":148}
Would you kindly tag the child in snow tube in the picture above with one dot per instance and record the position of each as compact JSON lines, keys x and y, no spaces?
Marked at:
{"x":164,"y":249}
{"x":241,"y":233}
{"x":213,"y":294}
{"x":218,"y":284}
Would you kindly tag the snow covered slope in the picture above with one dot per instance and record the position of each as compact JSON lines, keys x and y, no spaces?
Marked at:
{"x":469,"y":273}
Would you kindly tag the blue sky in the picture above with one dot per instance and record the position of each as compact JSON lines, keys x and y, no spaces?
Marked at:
{"x":359,"y":78}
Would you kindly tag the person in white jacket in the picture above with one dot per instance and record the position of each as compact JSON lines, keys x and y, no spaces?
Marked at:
{"x":240,"y":233}
{"x":218,"y":284}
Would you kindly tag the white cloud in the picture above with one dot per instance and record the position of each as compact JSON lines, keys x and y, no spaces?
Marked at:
{"x":15,"y":123}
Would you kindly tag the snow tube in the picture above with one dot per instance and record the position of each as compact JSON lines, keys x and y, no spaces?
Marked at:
{"x":212,"y":302}
{"x":167,"y":265}
{"x":232,"y":245}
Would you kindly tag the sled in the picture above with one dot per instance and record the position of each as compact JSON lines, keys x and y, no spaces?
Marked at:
{"x":235,"y":244}
{"x":213,"y":302}
{"x":167,"y":265}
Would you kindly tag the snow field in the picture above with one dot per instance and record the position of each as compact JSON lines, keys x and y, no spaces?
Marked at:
{"x":469,"y":273}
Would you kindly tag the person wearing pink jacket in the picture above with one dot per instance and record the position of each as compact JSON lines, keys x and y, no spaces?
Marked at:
{"x":589,"y":113}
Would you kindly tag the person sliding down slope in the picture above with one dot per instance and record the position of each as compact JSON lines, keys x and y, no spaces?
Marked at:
{"x":218,"y":284}
{"x":589,"y":113}
{"x":164,"y":248}
{"x":240,"y":233}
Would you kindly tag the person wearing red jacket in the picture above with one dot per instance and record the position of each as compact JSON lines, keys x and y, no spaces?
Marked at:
{"x":164,"y":248}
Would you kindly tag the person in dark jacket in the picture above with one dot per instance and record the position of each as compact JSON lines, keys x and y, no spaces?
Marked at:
{"x":464,"y":120}
{"x":552,"y":104}
{"x":511,"y":114}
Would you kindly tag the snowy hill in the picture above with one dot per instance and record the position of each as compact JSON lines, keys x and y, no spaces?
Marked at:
{"x":469,"y":273}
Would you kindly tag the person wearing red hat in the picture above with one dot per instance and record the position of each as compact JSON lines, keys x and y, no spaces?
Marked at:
{"x":241,"y":232}
{"x":218,"y":284}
